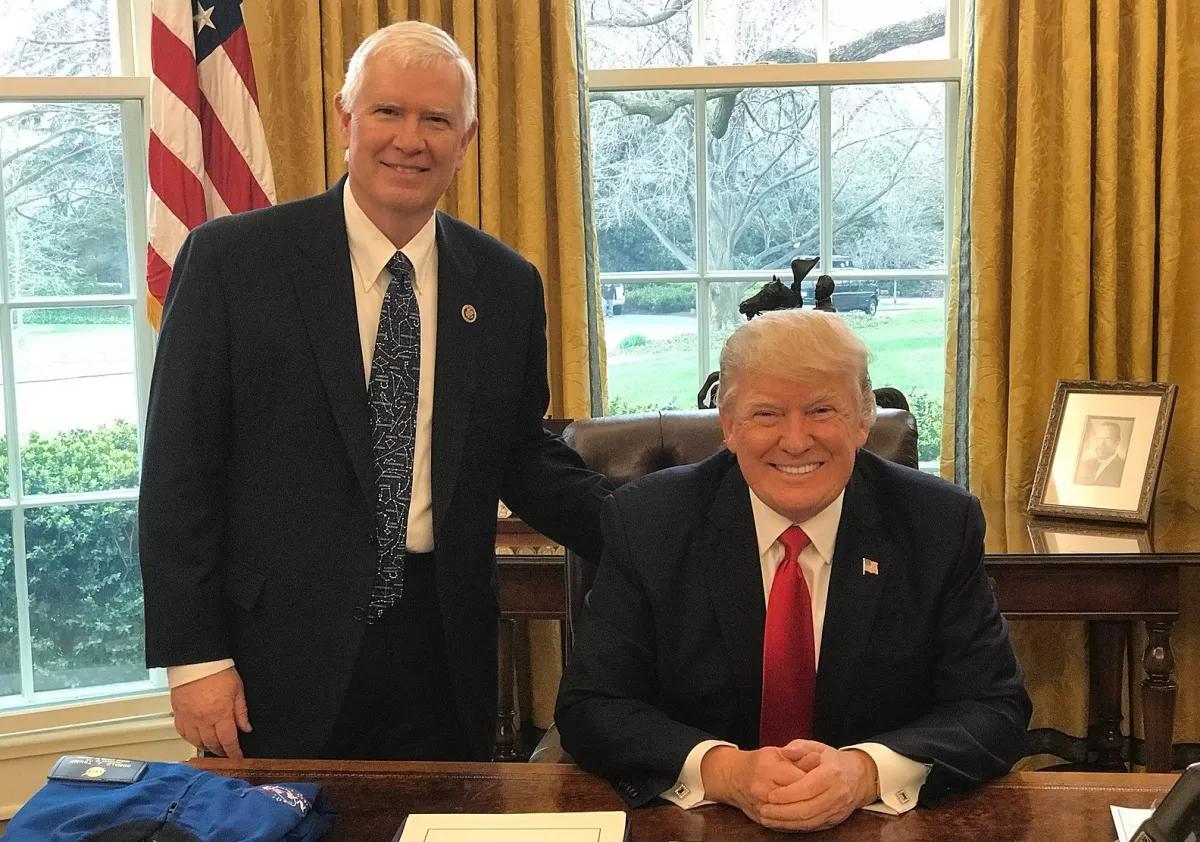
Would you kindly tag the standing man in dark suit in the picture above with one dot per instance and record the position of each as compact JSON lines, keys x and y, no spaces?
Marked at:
{"x":344,"y":386}
{"x":793,"y":626}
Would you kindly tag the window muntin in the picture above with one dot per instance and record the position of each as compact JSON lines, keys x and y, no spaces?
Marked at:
{"x":75,"y":357}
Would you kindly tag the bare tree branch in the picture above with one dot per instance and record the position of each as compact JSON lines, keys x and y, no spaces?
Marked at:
{"x":672,"y":8}
{"x":684,"y":260}
{"x":662,"y":106}
{"x":12,"y":188}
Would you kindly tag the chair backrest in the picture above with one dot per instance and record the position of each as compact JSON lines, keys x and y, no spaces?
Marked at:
{"x":625,"y":447}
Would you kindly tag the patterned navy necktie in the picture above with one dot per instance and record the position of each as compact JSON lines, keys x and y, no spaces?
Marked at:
{"x":392,"y":393}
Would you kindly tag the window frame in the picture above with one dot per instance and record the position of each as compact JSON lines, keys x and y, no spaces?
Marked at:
{"x":824,"y":75}
{"x":130,"y":91}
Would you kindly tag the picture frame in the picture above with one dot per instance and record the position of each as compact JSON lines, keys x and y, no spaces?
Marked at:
{"x":1103,"y":450}
{"x":1050,"y":537}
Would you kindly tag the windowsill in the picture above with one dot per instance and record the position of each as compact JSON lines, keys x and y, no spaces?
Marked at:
{"x":149,"y":703}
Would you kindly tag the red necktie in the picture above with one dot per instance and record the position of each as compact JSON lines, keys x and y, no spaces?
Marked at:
{"x":789,"y":656}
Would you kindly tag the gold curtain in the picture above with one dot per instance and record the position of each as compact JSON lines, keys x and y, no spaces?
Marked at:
{"x":1084,"y":189}
{"x":522,"y":181}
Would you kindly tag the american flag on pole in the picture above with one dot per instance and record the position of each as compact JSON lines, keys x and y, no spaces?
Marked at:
{"x":208,"y":153}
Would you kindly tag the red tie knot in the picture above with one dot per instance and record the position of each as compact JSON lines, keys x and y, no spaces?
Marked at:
{"x":794,"y":539}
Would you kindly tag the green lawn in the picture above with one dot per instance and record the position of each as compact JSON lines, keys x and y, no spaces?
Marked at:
{"x":907,"y":348}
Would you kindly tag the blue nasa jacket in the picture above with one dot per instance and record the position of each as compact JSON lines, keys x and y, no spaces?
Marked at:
{"x":170,"y":802}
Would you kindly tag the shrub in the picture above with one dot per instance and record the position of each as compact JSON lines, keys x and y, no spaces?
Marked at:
{"x":659,"y":298}
{"x":77,"y":316}
{"x":633,"y":340}
{"x":84,"y":581}
{"x":928,"y":411}
{"x":619,"y":406}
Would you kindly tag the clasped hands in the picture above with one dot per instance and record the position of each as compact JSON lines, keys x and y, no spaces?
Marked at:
{"x":805,"y":785}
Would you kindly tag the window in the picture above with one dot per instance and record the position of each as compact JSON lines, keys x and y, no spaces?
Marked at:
{"x":730,"y":137}
{"x":75,"y":352}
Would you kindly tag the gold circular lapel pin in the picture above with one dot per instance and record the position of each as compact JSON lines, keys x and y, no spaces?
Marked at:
{"x":468,"y":313}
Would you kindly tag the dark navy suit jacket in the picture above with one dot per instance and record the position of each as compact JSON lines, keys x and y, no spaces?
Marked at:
{"x":669,"y":654}
{"x":258,"y":494}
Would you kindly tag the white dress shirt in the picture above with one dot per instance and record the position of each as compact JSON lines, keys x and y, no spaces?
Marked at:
{"x":370,"y":250}
{"x":900,"y":778}
{"x":1101,"y":465}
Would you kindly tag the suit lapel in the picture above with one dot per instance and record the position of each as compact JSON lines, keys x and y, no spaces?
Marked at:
{"x":852,"y":603}
{"x":455,"y":364}
{"x":734,"y":578}
{"x":324,"y":285}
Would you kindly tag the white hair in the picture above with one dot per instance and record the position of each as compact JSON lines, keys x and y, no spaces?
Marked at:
{"x":407,"y":43}
{"x":797,"y":344}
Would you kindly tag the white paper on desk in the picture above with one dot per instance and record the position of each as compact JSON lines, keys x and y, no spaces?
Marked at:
{"x":1128,"y":820}
{"x":513,"y":827}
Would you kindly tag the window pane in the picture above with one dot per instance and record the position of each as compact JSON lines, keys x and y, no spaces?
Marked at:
{"x":76,"y":398}
{"x":57,"y":38}
{"x":724,"y":318}
{"x":637,"y":33}
{"x":651,"y":347}
{"x":907,"y":341}
{"x":889,"y":176}
{"x":644,"y":173}
{"x":888,"y":30}
{"x":85,"y":595}
{"x":763,"y":179}
{"x":64,"y":198}
{"x":750,"y":31}
{"x":10,"y":663}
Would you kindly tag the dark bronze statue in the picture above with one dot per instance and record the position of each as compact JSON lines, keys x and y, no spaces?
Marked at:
{"x":776,"y":296}
{"x":825,"y":295}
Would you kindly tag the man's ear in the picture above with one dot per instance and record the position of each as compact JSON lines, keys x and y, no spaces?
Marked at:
{"x":467,"y":137}
{"x":728,"y":428}
{"x":343,"y":119}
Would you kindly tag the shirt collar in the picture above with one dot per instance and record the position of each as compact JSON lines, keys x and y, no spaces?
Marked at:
{"x":370,"y":249}
{"x":821,"y":528}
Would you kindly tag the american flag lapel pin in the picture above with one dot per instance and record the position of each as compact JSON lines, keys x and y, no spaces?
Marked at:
{"x":870,"y":567}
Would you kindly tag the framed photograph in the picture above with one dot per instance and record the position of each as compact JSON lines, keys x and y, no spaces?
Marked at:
{"x":1102,"y":451}
{"x":1060,"y":538}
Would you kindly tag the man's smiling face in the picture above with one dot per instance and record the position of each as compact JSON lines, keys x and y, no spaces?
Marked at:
{"x":795,"y":440}
{"x":406,"y":135}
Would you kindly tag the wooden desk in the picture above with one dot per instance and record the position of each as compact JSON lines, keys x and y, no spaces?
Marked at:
{"x":1111,"y":577}
{"x":373,"y":797}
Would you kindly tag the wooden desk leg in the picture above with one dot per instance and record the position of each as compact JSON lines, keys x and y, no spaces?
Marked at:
{"x":1106,"y":645}
{"x":504,"y":746}
{"x":1158,"y":697}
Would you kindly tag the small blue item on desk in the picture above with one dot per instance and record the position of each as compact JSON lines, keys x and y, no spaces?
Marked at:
{"x":102,"y":799}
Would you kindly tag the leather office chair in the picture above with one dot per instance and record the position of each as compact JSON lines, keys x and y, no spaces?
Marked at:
{"x":625,"y":447}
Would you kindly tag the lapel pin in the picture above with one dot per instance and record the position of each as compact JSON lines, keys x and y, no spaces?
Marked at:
{"x":870,"y":567}
{"x":468,"y":313}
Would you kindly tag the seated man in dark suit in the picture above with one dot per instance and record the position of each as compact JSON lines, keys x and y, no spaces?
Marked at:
{"x":793,"y":626}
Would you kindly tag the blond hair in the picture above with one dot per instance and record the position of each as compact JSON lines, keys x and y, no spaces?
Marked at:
{"x":799,"y":345}
{"x":409,"y":43}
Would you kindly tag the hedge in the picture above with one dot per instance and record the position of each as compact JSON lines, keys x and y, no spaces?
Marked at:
{"x":84,"y":581}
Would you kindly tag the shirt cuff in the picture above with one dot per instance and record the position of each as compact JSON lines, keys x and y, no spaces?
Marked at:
{"x":688,"y":790}
{"x":900,"y":779}
{"x":188,"y":673}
